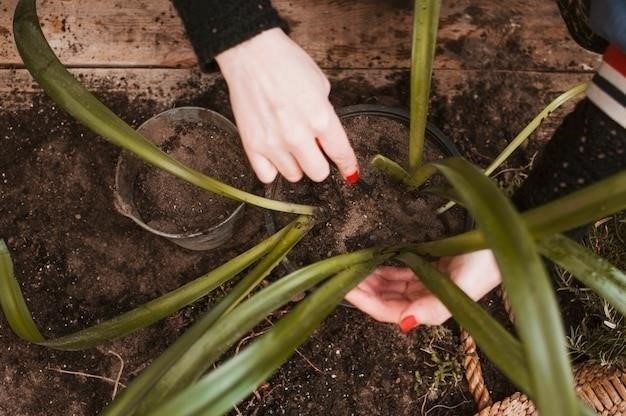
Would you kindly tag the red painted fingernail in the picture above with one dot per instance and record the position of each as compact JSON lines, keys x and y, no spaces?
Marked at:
{"x":353,"y":178}
{"x":408,"y":323}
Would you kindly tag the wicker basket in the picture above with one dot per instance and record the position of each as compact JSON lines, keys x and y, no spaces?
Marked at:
{"x":603,"y":388}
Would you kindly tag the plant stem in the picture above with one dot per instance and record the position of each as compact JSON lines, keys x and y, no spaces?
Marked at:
{"x":534,"y":124}
{"x":526,"y":132}
{"x":392,"y":169}
{"x":425,"y":24}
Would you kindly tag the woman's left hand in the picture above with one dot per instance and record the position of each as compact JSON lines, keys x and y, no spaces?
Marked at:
{"x":395,"y":295}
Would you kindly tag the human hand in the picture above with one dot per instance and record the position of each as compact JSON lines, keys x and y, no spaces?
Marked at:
{"x":395,"y":295}
{"x":280,"y":102}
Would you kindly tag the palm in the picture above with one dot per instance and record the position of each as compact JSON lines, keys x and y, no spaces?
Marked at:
{"x":390,"y":294}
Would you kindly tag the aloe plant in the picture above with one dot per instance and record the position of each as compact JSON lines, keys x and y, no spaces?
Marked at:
{"x":535,"y":359}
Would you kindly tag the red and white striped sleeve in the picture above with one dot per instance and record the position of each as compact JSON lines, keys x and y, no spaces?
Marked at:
{"x":607,"y":89}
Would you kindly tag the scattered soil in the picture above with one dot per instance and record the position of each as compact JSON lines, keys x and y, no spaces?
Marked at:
{"x":376,"y":211}
{"x":80,"y":262}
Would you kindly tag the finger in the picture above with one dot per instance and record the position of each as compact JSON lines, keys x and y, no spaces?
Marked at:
{"x":299,"y":140}
{"x":387,"y":296}
{"x":475,"y":273}
{"x":425,"y":310}
{"x":333,"y":139}
{"x":395,"y":273}
{"x":286,"y":165}
{"x":311,"y":160}
{"x":375,"y":284}
{"x":264,"y":169}
{"x":377,"y":308}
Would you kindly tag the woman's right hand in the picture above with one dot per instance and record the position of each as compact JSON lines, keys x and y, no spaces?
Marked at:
{"x":280,"y":102}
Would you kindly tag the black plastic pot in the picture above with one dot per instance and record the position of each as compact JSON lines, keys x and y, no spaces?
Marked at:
{"x":433,"y":134}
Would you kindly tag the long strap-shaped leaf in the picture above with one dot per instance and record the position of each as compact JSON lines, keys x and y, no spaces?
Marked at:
{"x":70,"y":95}
{"x":221,"y":389}
{"x":526,"y":281}
{"x":126,"y":403}
{"x":12,"y":301}
{"x":593,"y":271}
{"x":526,"y":132}
{"x":19,"y":317}
{"x":502,"y":348}
{"x":593,"y":202}
{"x":425,"y":24}
{"x":208,"y":348}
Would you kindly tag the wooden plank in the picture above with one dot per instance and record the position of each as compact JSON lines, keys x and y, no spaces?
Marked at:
{"x":471,"y":105}
{"x":474,"y":34}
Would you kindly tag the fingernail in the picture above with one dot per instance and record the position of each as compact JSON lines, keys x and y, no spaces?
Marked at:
{"x":408,"y":323}
{"x":353,"y":178}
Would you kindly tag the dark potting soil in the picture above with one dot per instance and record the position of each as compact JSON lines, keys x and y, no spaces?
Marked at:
{"x":80,"y":262}
{"x":378,"y":210}
{"x":174,"y":206}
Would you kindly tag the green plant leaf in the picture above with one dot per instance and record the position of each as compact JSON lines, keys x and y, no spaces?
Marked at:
{"x":526,"y":132}
{"x":502,"y":348}
{"x":603,"y":198}
{"x":12,"y":301}
{"x":534,"y":124}
{"x":221,"y":389}
{"x":70,"y":95}
{"x":19,"y":317}
{"x":425,"y":24}
{"x":225,"y":332}
{"x":589,"y":268}
{"x":526,"y":281}
{"x":131,"y":397}
{"x":393,"y":169}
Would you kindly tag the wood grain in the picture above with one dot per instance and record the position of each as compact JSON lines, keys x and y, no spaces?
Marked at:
{"x":474,"y":34}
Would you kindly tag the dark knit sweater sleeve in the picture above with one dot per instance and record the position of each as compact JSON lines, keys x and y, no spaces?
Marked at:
{"x":586,"y":147}
{"x":216,"y":25}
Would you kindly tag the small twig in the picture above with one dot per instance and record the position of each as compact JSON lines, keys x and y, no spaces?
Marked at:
{"x":119,"y":373}
{"x":80,"y":373}
{"x":301,"y":355}
{"x":500,"y":172}
{"x":116,"y":382}
{"x":446,"y":407}
{"x":252,"y":335}
{"x":310,"y":363}
{"x":425,"y":396}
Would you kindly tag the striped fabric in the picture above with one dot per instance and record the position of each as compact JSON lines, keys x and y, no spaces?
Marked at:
{"x":607,"y":89}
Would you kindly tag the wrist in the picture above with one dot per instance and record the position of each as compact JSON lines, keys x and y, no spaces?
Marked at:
{"x":243,"y":52}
